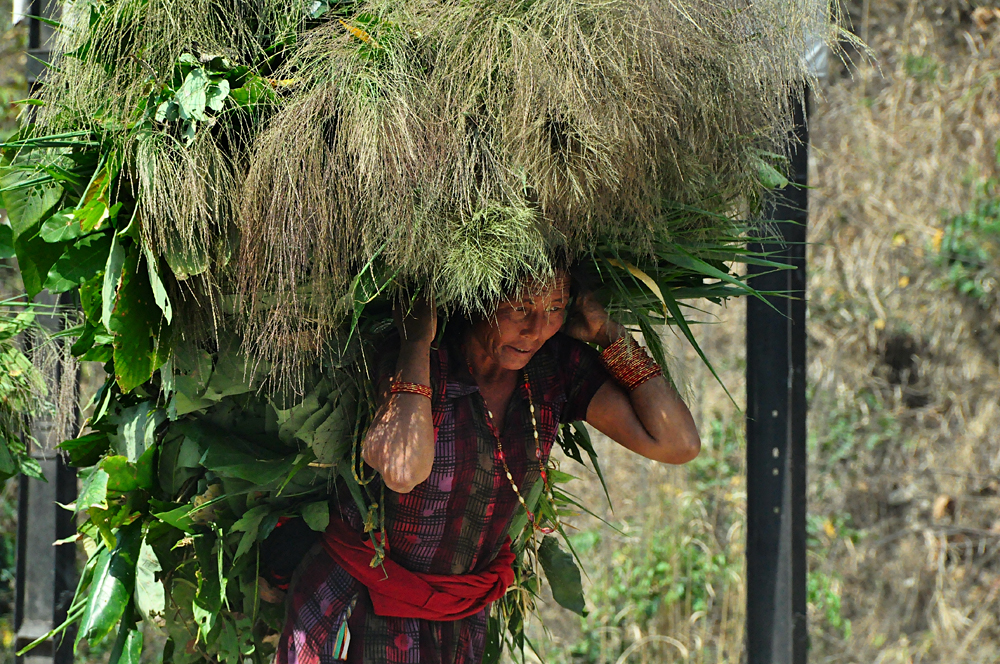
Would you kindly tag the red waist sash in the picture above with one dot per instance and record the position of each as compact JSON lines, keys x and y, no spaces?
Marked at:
{"x":397,"y":592}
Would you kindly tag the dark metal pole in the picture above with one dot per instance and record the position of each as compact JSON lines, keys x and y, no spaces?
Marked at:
{"x":776,"y":432}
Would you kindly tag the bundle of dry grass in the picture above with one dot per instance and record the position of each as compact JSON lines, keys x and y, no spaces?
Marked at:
{"x":455,"y":147}
{"x":459,"y":145}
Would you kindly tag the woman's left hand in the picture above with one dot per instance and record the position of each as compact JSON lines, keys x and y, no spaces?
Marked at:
{"x":589,"y":322}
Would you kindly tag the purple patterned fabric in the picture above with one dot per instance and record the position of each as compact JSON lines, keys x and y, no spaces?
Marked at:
{"x":454,"y":522}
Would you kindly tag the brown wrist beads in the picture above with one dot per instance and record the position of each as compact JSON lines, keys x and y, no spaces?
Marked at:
{"x":630,"y":363}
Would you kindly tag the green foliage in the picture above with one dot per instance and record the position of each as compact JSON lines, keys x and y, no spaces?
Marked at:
{"x":969,"y":251}
{"x":921,"y":68}
{"x":823,"y":594}
{"x":863,"y":423}
{"x":22,"y":393}
{"x":562,"y":574}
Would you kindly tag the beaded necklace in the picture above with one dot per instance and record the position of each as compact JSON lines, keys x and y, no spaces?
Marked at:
{"x":538,"y":455}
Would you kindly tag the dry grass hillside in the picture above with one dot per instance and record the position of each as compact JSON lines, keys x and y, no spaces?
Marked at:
{"x":904,"y":348}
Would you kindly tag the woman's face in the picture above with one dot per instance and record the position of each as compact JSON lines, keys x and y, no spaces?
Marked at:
{"x":523,"y":323}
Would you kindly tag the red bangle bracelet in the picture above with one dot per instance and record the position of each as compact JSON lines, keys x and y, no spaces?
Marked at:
{"x":629,"y":363}
{"x":401,"y":386}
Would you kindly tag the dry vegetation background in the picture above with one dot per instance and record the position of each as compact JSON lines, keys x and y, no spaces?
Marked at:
{"x":904,"y":348}
{"x":904,"y":417}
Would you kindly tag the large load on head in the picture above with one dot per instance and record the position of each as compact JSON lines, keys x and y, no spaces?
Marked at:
{"x":240,"y":190}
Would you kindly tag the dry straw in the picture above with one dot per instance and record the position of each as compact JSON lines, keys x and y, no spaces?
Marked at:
{"x":447,"y":144}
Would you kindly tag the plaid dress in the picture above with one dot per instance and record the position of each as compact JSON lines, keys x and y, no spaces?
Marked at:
{"x":453,"y":523}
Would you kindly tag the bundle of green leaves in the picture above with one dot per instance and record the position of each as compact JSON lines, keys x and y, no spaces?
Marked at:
{"x":238,"y":191}
{"x":22,"y":392}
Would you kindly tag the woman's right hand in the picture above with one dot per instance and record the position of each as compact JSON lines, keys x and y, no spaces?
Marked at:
{"x":416,"y":322}
{"x":400,"y":442}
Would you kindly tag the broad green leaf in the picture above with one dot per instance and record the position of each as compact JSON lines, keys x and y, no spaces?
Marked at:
{"x":90,"y":299}
{"x":290,"y":420}
{"x":770,"y":177}
{"x":189,"y":131}
{"x":216,"y":95}
{"x":494,"y":639}
{"x":85,"y":340}
{"x":191,"y":97}
{"x":111,"y":589}
{"x":168,"y":111}
{"x":81,"y":262}
{"x":28,"y":206}
{"x":307,"y":431}
{"x":104,"y":590}
{"x":249,"y":525}
{"x":61,"y":227}
{"x":232,"y":374}
{"x":182,"y":403}
{"x":334,"y":437}
{"x":124,"y":476}
{"x":185,"y":259}
{"x":254,"y":91}
{"x":262,"y":472}
{"x":8,"y":464}
{"x":135,"y":323}
{"x":112,"y":276}
{"x":35,"y":257}
{"x":562,"y":574}
{"x":96,"y":215}
{"x":86,"y":450}
{"x":101,"y":354}
{"x":150,"y":598}
{"x":178,"y":517}
{"x":31,"y":468}
{"x":6,"y":242}
{"x":94,"y":491}
{"x":132,"y":650}
{"x":211,"y":593}
{"x":520,"y":519}
{"x":137,"y":429}
{"x":317,"y":515}
{"x":159,"y":290}
{"x":178,"y":462}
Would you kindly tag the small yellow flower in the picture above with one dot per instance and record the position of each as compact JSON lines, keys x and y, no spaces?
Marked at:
{"x":904,"y":281}
{"x":899,"y":240}
{"x":829,"y":528}
{"x":880,"y":324}
{"x":936,"y":240}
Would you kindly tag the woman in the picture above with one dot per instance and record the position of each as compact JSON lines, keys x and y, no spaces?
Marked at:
{"x":462,"y":433}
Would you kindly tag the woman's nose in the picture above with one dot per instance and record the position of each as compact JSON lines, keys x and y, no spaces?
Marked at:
{"x":533,"y":325}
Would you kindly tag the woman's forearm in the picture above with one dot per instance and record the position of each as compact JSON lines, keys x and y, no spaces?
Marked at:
{"x":400,"y":442}
{"x":666,"y":430}
{"x":667,"y":420}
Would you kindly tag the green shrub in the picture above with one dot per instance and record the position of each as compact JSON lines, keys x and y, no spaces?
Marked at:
{"x":969,"y":250}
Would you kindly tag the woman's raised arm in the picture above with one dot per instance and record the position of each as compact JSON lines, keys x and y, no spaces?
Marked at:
{"x":400,"y":442}
{"x":651,"y":420}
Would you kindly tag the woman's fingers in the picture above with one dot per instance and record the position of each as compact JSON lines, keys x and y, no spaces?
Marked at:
{"x":416,"y":320}
{"x":588,"y":321}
